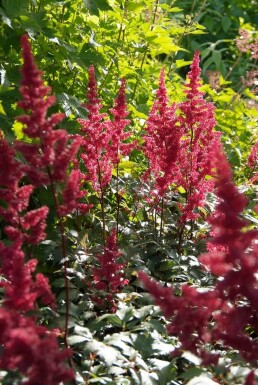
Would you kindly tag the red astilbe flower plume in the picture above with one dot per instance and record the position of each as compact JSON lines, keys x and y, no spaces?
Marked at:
{"x":238,"y":267}
{"x":96,"y":138}
{"x":117,"y":126}
{"x":162,"y":141}
{"x":190,"y":313}
{"x":49,"y":154}
{"x":224,"y":312}
{"x":198,"y":145}
{"x":32,"y":350}
{"x":108,"y":276}
{"x":21,"y":227}
{"x":103,"y":141}
{"x":24,"y":342}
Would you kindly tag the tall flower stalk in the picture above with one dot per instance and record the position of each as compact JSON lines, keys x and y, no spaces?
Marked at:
{"x":48,"y":155}
{"x":179,"y":142}
{"x":27,"y":347}
{"x":198,"y":143}
{"x":96,"y":137}
{"x":108,"y":275}
{"x":103,"y":141}
{"x":161,"y":147}
{"x":223,"y":313}
{"x":119,"y":147}
{"x":253,"y":162}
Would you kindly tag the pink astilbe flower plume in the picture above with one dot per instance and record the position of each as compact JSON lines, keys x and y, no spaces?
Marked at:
{"x":198,"y":145}
{"x":104,"y":141}
{"x":200,"y":318}
{"x":162,"y":141}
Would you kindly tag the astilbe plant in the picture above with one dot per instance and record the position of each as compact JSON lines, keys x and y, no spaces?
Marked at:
{"x":179,"y":144}
{"x":103,"y":140}
{"x":47,"y":156}
{"x":96,"y":137}
{"x":224,"y":314}
{"x":29,"y":348}
{"x":198,"y":143}
{"x":108,"y":276}
{"x":162,"y":142}
{"x":49,"y":153}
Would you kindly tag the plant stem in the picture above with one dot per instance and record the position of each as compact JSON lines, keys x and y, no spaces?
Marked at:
{"x":64,"y":255}
{"x":117,"y":201}
{"x":161,"y":217}
{"x":101,"y":199}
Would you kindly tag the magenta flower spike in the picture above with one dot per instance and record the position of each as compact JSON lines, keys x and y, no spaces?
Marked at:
{"x":31,"y":349}
{"x":23,"y":340}
{"x":50,"y":153}
{"x":109,"y":275}
{"x":253,"y":162}
{"x":232,"y":304}
{"x":198,"y":146}
{"x":162,"y":141}
{"x":96,"y":137}
{"x":119,"y":111}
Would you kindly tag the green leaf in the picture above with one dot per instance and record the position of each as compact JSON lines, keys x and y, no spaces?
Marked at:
{"x":15,"y":8}
{"x":94,"y":6}
{"x":216,"y":56}
{"x":107,"y":353}
{"x":73,"y":340}
{"x":111,"y":319}
{"x":226,"y":23}
{"x":182,"y":63}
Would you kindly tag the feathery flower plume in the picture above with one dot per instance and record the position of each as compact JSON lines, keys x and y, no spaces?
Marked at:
{"x":118,"y":135}
{"x":49,"y":155}
{"x":31,"y":349}
{"x":24,"y":342}
{"x":232,"y":303}
{"x":162,"y":141}
{"x":103,"y":140}
{"x":108,"y":277}
{"x":96,"y":138}
{"x":198,"y":144}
